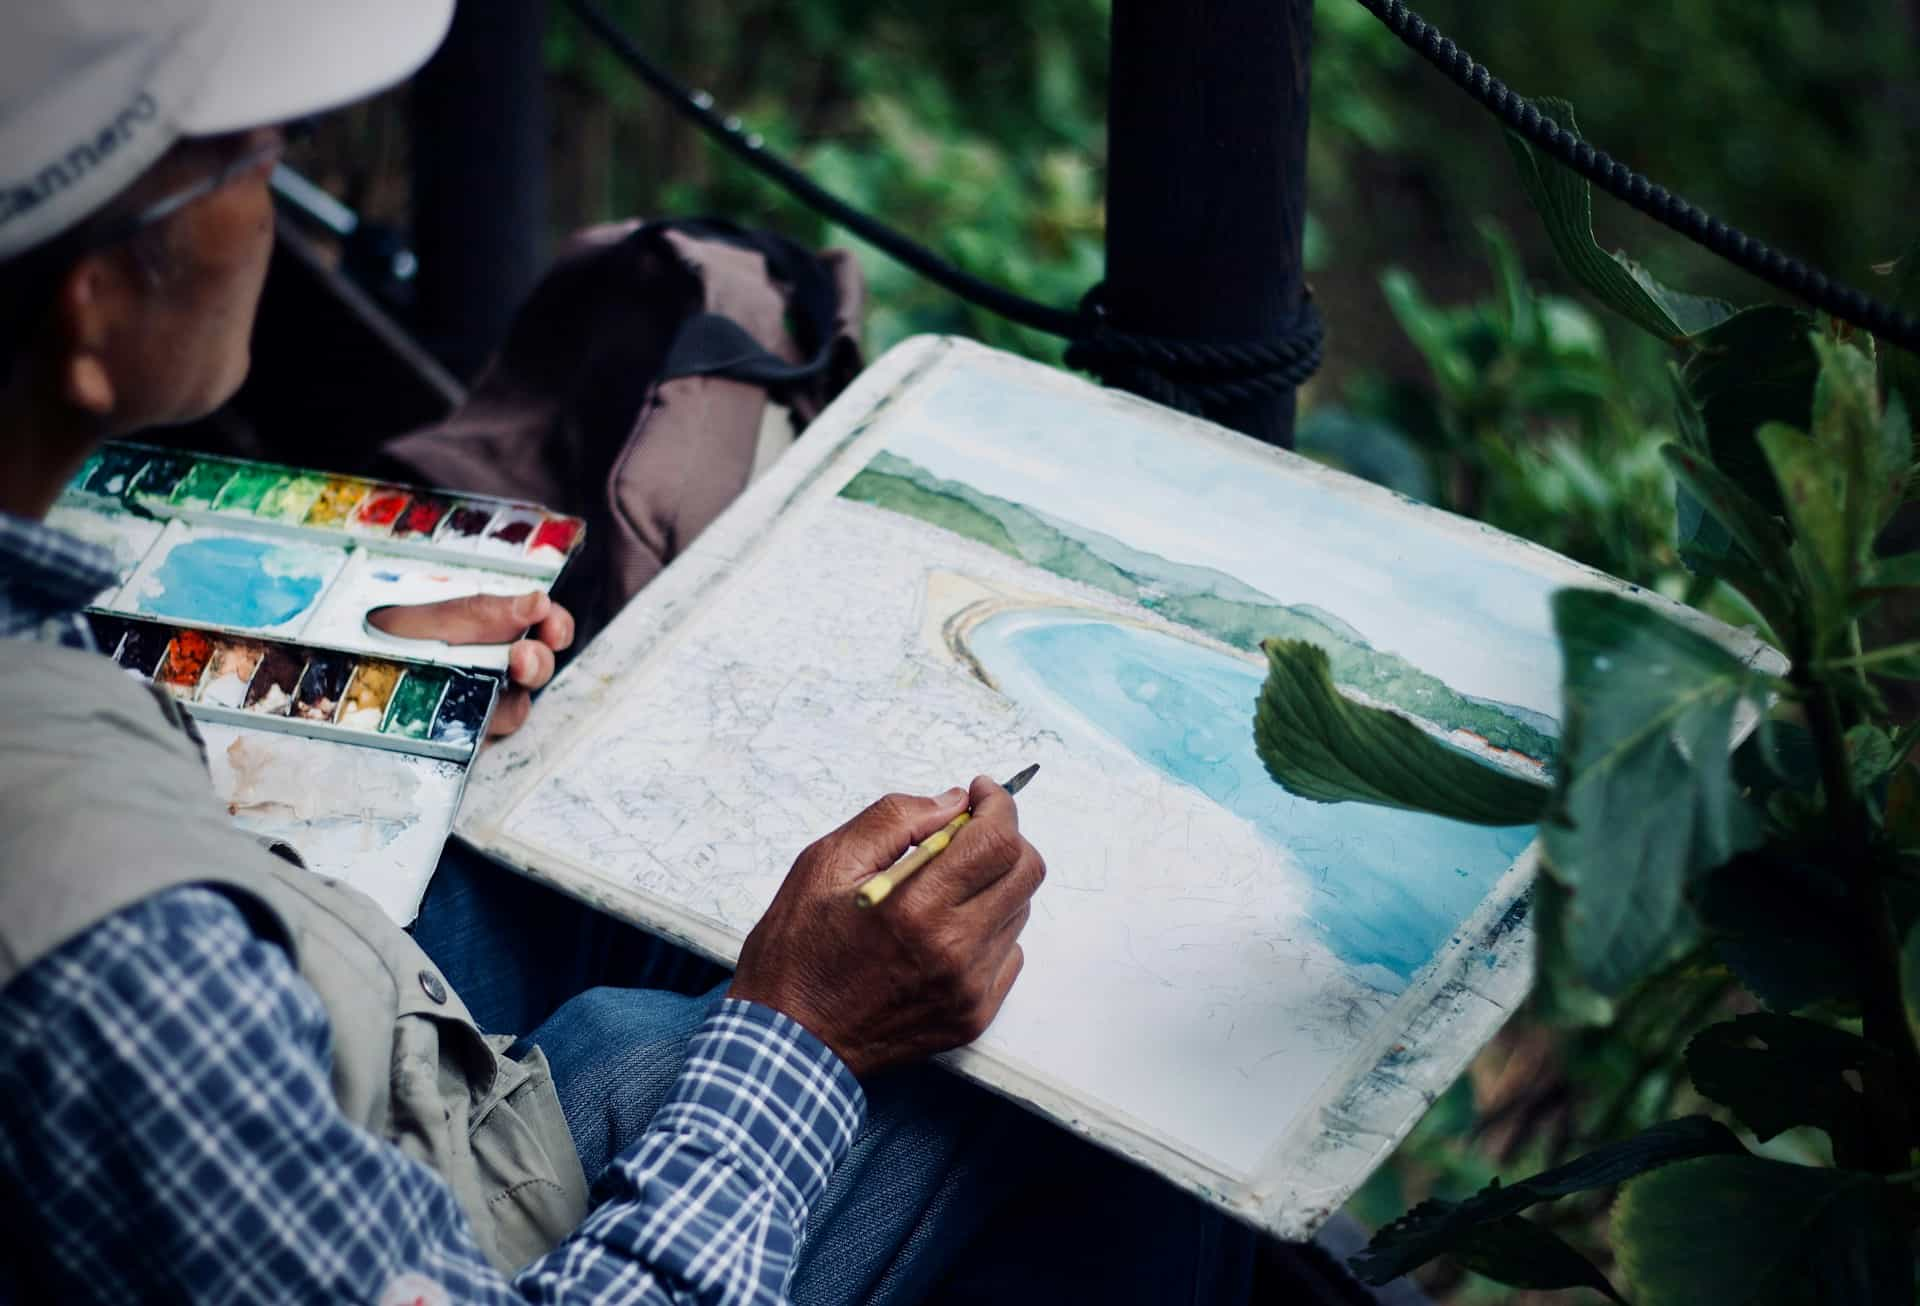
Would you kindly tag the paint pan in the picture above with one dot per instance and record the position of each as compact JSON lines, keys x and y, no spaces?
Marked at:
{"x":249,"y":487}
{"x":270,"y":693}
{"x":464,"y":709}
{"x":421,"y":518}
{"x":231,"y":672}
{"x":510,"y":532}
{"x":292,"y":498}
{"x":465,"y":526}
{"x":555,"y":538}
{"x":364,"y":706}
{"x":415,"y":703}
{"x":162,"y":476}
{"x":78,"y":484}
{"x":335,"y":505}
{"x":108,"y":632}
{"x":119,"y":465}
{"x":381,"y":510}
{"x":142,"y":647}
{"x":325,"y":680}
{"x":204,"y":483}
{"x":185,"y":663}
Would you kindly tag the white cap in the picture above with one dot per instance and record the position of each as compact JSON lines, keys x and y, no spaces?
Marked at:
{"x":93,"y":92}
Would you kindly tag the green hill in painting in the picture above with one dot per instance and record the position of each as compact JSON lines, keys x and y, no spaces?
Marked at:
{"x":1199,"y":597}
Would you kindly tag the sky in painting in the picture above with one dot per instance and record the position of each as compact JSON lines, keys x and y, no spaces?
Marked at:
{"x":1446,"y":601}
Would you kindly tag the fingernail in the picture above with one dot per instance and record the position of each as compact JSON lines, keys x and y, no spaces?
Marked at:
{"x":526,"y":607}
{"x":953,"y":795}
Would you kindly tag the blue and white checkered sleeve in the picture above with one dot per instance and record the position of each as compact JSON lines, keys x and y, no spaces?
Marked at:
{"x":167,"y":1133}
{"x":715,"y":1194}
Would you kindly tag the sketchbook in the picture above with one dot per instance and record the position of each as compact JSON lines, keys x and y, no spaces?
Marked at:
{"x":972,"y":562}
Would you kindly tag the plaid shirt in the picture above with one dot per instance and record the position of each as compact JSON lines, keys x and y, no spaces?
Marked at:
{"x":46,"y":577}
{"x":168,"y":1133}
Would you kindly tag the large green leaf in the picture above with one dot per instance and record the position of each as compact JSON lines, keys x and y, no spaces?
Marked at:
{"x":1644,"y":800}
{"x":1756,"y":367}
{"x":1747,"y":547}
{"x":1746,"y":1231}
{"x":1777,"y":1072}
{"x":1436,"y":1228}
{"x":1849,"y":426}
{"x":1319,"y":744}
{"x":1521,"y":1254}
{"x":1564,"y":200}
{"x":1754,"y":905}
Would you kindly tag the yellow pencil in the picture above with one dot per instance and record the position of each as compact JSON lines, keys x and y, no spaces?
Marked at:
{"x":876,"y":889}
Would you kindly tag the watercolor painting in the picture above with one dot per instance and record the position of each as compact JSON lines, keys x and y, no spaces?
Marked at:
{"x":1002,"y":566}
{"x":1390,"y":887}
{"x":220,"y":577}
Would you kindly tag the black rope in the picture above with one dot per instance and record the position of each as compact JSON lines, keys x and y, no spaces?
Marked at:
{"x":1185,"y":374}
{"x":1623,"y":183}
{"x":1197,"y":376}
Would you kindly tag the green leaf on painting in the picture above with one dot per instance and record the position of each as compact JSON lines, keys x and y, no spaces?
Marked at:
{"x":1521,"y":1254}
{"x":1777,"y":1072}
{"x":1746,"y":1231}
{"x":1564,"y":200}
{"x":1436,"y":1228}
{"x":1645,"y":801}
{"x":1321,"y":745}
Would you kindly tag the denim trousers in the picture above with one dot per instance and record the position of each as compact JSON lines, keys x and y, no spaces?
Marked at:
{"x":948,"y":1195}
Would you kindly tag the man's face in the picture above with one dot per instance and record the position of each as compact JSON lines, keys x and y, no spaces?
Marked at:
{"x":179,"y":308}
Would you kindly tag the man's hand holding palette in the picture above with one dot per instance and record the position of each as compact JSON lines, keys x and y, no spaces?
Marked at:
{"x":245,"y":590}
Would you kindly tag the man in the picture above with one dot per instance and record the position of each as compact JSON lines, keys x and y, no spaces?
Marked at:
{"x":225,"y":1079}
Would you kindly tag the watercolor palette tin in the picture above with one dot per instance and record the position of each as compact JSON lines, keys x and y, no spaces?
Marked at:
{"x":260,"y":549}
{"x":357,"y":762}
{"x":244,"y":591}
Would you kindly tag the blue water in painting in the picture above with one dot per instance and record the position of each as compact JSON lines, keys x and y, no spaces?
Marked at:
{"x":1390,"y":887}
{"x":234,"y":581}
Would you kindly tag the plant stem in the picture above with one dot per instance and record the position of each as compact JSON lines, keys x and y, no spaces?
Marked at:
{"x":1882,"y":1006}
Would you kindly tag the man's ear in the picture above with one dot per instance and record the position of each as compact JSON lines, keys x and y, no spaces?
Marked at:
{"x":86,"y":307}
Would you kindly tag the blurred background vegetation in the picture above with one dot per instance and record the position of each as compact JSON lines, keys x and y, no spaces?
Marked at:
{"x":1461,"y":368}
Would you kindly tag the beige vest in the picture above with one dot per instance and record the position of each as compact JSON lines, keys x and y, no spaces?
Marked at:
{"x":104,"y":801}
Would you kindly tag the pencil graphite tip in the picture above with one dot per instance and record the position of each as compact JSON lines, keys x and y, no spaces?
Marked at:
{"x":1019,"y":782}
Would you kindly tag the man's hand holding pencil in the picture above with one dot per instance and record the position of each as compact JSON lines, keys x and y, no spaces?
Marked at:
{"x":923,"y":972}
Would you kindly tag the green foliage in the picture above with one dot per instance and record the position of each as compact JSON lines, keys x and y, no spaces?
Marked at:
{"x":1747,"y":1231}
{"x":1433,"y":1227}
{"x":1638,"y":817}
{"x":1565,"y":201}
{"x":1791,"y":860}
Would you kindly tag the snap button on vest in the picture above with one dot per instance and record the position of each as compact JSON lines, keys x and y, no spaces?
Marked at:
{"x":431,"y":983}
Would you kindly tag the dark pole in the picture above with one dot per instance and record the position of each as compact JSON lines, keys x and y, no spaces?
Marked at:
{"x":1207,"y":179}
{"x":479,"y":178}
